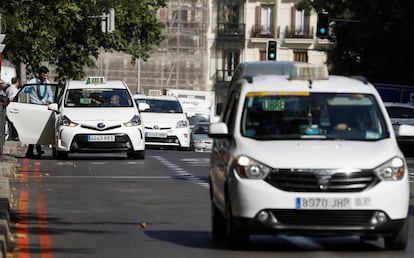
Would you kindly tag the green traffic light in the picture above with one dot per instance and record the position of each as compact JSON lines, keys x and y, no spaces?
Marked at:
{"x":322,"y":30}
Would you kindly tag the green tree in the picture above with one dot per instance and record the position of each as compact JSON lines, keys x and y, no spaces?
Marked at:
{"x":372,"y":38}
{"x":67,"y":33}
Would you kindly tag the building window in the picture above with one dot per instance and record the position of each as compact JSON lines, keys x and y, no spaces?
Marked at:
{"x":299,"y":23}
{"x":231,"y":60}
{"x":300,"y":56}
{"x":267,"y":19}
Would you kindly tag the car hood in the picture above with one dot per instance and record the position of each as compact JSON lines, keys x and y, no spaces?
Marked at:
{"x":80,"y":115}
{"x":320,"y":154}
{"x":161,"y":119}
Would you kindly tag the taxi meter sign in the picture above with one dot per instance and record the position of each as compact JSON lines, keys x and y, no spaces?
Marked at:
{"x":309,"y":72}
{"x":95,"y":80}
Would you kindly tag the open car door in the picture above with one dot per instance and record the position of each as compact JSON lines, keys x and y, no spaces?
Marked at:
{"x":34,"y":123}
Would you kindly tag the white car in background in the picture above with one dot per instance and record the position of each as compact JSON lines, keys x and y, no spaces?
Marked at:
{"x":83,"y":119}
{"x":166,"y":124}
{"x":402,"y":114}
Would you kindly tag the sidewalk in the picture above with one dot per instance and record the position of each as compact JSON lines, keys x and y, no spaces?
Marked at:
{"x":8,"y":166}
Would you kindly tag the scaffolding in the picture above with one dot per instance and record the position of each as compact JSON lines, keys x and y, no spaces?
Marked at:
{"x":181,"y":60}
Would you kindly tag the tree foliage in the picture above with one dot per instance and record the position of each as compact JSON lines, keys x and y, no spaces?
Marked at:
{"x":67,"y":33}
{"x":371,"y":38}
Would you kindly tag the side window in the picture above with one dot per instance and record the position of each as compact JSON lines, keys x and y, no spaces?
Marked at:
{"x":230,"y":111}
{"x":40,"y":94}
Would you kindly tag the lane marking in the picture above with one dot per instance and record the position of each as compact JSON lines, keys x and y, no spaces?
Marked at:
{"x":22,"y":227}
{"x":24,"y":172}
{"x":44,"y":237}
{"x":182,"y":173}
{"x":111,"y":177}
{"x":45,"y":241}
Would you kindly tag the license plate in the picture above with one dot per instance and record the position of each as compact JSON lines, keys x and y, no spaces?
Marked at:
{"x":156,"y":134}
{"x":101,"y":138}
{"x":331,"y":203}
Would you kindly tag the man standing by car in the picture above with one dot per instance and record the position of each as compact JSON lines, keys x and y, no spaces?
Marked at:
{"x":41,"y":94}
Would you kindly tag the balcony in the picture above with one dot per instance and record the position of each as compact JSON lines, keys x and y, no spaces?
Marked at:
{"x":231,"y":31}
{"x":263,"y":31}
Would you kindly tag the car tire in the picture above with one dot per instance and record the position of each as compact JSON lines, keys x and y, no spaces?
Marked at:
{"x":398,"y":240}
{"x":236,"y":238}
{"x":136,"y":154}
{"x":218,"y":223}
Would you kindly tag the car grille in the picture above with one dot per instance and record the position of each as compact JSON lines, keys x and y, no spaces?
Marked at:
{"x":157,"y":128}
{"x":168,"y":139}
{"x":101,"y":129}
{"x":312,"y":181}
{"x":80,"y":143}
{"x":323,"y":217}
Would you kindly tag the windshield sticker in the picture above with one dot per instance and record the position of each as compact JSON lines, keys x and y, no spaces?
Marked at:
{"x":273,"y":104}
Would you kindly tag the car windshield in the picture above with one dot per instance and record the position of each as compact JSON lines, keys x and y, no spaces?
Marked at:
{"x":201,"y":129}
{"x":161,"y":106}
{"x":400,"y":112}
{"x":98,"y":97}
{"x":304,"y":115}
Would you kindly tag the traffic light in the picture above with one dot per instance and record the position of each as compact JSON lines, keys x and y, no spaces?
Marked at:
{"x":322,"y":28}
{"x":271,"y":49}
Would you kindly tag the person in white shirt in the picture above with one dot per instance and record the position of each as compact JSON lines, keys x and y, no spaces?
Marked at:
{"x":12,"y":90}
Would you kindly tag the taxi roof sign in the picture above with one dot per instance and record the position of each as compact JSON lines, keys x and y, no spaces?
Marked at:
{"x":307,"y":71}
{"x":95,"y":80}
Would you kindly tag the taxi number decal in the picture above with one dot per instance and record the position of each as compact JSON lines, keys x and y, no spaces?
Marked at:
{"x":323,"y":203}
{"x":101,"y":138}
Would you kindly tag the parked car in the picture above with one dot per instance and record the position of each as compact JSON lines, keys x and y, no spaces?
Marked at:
{"x":166,"y":124}
{"x":402,"y":113}
{"x":200,"y":141}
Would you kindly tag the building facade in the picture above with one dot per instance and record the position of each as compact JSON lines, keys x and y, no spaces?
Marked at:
{"x":207,"y":39}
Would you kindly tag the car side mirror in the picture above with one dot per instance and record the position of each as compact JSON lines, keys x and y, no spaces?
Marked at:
{"x":143,"y":106}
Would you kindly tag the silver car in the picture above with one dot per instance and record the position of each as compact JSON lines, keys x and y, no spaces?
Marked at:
{"x":200,"y":141}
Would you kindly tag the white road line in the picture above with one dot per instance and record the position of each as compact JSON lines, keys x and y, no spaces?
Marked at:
{"x":182,"y":172}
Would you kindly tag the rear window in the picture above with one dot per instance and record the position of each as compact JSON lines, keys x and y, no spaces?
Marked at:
{"x":401,"y":112}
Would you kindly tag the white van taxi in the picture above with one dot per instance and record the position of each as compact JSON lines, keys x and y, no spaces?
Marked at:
{"x":92,"y":116}
{"x":307,"y":154}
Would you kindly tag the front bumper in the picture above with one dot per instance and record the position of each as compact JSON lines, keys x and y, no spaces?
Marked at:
{"x":261,"y":207}
{"x":174,"y":138}
{"x":75,"y":140}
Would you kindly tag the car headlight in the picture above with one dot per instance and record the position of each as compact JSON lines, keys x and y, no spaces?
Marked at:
{"x":135,"y":121}
{"x":250,"y":168}
{"x":182,"y":124}
{"x":65,"y":121}
{"x":391,"y":170}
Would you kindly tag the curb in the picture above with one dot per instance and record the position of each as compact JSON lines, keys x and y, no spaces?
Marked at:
{"x":8,"y":162}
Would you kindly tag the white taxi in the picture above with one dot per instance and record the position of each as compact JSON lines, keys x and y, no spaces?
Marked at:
{"x":93,"y":116}
{"x":307,"y":154}
{"x":166,"y":124}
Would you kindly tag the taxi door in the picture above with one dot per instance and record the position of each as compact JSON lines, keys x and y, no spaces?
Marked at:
{"x":34,"y":122}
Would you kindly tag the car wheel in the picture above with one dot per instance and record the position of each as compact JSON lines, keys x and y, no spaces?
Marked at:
{"x":136,"y":154}
{"x":398,"y":240}
{"x":218,"y":223}
{"x":236,"y":238}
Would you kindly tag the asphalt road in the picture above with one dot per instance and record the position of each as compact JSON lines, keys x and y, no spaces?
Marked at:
{"x":110,"y":206}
